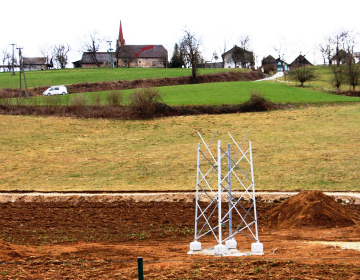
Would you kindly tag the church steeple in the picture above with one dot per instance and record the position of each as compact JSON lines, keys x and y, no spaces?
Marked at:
{"x":121,"y":40}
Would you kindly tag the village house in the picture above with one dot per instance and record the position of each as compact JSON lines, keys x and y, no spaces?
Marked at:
{"x":35,"y":63}
{"x":247,"y":58}
{"x":277,"y":64}
{"x":300,"y":61}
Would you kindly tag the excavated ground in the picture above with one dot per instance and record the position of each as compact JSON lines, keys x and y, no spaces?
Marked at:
{"x":306,"y":236}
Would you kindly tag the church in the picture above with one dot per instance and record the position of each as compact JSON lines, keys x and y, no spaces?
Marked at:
{"x":155,"y":56}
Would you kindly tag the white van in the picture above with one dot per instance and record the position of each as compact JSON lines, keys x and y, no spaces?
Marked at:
{"x":55,"y":90}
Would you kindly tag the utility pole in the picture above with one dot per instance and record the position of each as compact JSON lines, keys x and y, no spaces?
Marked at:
{"x":111,"y":62}
{"x":18,"y":48}
{"x":23,"y":71}
{"x":13,"y":62}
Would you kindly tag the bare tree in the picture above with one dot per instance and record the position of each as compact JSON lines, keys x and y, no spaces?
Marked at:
{"x":5,"y":56}
{"x":327,"y":50}
{"x":302,"y":74}
{"x":338,"y":77}
{"x":61,"y":54}
{"x":190,"y":45}
{"x":280,"y":49}
{"x":48,"y":54}
{"x":243,"y":57}
{"x":127,"y":54}
{"x":353,"y":73}
{"x":223,"y":47}
{"x":338,"y":40}
{"x":164,"y":58}
{"x":117,"y":52}
{"x":245,"y":42}
{"x":92,"y":44}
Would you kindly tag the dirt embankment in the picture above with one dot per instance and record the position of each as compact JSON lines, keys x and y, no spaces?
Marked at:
{"x":143,"y":83}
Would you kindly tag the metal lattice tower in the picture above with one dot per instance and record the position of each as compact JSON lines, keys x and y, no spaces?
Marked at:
{"x":224,"y":190}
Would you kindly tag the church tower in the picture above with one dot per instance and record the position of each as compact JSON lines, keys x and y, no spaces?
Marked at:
{"x":121,"y":40}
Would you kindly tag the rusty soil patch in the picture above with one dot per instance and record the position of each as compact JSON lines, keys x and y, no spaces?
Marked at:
{"x":80,"y":237}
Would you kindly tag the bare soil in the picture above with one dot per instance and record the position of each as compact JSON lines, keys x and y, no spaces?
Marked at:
{"x":307,"y":236}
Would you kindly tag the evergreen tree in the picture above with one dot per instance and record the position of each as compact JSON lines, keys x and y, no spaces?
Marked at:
{"x":177,"y":60}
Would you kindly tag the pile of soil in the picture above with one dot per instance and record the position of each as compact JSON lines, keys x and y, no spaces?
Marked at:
{"x":312,"y":209}
{"x":143,"y":83}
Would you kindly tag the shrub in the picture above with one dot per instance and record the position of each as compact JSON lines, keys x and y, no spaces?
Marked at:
{"x":115,"y":98}
{"x":53,"y":101}
{"x":268,"y":69}
{"x":78,"y":104}
{"x":96,"y":99}
{"x":257,"y":103}
{"x":143,"y":102}
{"x":34,"y":101}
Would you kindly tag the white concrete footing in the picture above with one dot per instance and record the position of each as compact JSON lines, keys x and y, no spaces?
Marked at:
{"x":219,"y":250}
{"x":257,"y":248}
{"x":195,"y":246}
{"x":231,"y":244}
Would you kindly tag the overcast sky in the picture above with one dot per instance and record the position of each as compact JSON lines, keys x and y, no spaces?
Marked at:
{"x":32,"y":24}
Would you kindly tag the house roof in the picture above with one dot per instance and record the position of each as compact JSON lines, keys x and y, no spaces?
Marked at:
{"x":269,"y":59}
{"x":34,"y":60}
{"x":341,"y":54}
{"x":145,"y":51}
{"x":232,"y":49}
{"x":100,"y":56}
{"x":301,"y":60}
{"x":139,"y":51}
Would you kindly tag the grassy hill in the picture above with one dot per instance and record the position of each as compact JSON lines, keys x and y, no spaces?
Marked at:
{"x":92,"y":75}
{"x":310,"y":148}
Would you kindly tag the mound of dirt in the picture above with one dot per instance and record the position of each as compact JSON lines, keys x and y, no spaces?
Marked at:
{"x":311,"y":209}
{"x":7,"y":253}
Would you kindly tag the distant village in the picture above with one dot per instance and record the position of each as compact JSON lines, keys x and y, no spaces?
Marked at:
{"x":335,"y":50}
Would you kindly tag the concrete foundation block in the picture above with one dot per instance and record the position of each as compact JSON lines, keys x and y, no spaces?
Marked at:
{"x":195,"y":246}
{"x":257,"y":248}
{"x":219,"y":249}
{"x":231,"y":244}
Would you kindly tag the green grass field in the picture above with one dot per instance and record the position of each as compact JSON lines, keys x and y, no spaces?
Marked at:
{"x":220,"y":93}
{"x":298,"y":149}
{"x":92,"y":75}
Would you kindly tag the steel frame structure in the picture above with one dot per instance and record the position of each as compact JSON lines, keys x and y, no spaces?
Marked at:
{"x":224,"y":188}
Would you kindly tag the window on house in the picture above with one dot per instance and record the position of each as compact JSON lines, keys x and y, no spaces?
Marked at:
{"x":154,"y":63}
{"x":136,"y":63}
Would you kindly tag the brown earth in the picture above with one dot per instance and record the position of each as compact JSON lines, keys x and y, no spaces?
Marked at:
{"x":83,"y":239}
{"x":143,"y":83}
{"x":350,"y":93}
